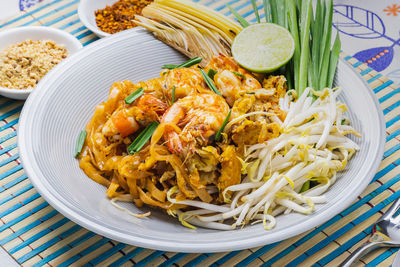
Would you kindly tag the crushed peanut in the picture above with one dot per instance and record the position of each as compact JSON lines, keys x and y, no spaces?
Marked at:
{"x":22,"y":65}
{"x":119,"y":16}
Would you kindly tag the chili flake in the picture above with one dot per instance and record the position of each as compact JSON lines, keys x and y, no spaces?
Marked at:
{"x":119,"y":16}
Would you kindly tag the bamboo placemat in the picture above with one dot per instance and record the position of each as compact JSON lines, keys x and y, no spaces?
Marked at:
{"x":36,"y":234}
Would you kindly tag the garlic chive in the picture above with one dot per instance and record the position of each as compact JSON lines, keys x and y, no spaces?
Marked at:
{"x":135,"y":95}
{"x":173,"y":95}
{"x":187,"y":64}
{"x":209,"y":82}
{"x":306,"y":14}
{"x":239,"y":74}
{"x":267,"y":11}
{"x":241,"y":20}
{"x":333,"y":60}
{"x":142,"y":138}
{"x":218,"y":135}
{"x":255,"y":8}
{"x":79,"y":144}
{"x":190,"y":62}
{"x":169,"y":67}
{"x":211,"y":73}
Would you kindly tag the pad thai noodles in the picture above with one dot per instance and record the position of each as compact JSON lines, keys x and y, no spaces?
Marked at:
{"x":217,"y":147}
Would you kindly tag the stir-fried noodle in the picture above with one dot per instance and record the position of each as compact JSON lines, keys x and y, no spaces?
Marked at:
{"x":277,"y":153}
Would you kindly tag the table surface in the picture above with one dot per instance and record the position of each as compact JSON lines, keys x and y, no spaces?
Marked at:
{"x":33,"y":233}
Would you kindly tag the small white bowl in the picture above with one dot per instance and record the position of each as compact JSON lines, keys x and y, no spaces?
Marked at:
{"x":18,"y":35}
{"x":86,"y":11}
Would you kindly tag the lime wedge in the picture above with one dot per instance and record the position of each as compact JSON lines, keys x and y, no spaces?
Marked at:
{"x":263,"y":47}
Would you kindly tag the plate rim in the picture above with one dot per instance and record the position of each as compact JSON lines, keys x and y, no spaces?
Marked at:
{"x":220,"y":246}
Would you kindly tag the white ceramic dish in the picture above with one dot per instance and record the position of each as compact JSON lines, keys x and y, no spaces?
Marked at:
{"x":86,"y":11}
{"x":55,"y":114}
{"x":17,"y":35}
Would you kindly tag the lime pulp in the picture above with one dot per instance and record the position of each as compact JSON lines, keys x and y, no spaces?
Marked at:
{"x":263,"y":47}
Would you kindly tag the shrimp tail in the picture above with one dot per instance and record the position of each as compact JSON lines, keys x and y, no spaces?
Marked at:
{"x":174,"y":143}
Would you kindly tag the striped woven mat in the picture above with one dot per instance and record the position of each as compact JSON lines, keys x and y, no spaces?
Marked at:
{"x":35,"y":234}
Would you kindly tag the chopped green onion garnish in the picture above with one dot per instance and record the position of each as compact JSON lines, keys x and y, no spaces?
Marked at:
{"x":238,"y":74}
{"x":169,"y":67}
{"x":190,"y":62}
{"x":187,"y":64}
{"x":305,"y":186}
{"x":211,"y":73}
{"x":142,"y":138}
{"x":79,"y":144}
{"x":218,"y":135}
{"x":135,"y":95}
{"x":209,"y":82}
{"x":251,"y":93}
{"x":173,"y":95}
{"x":241,"y":20}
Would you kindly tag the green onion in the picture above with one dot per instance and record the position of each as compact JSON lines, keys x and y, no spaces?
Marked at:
{"x":251,"y":93}
{"x":281,"y":13}
{"x":305,"y":186}
{"x":314,"y":61}
{"x":173,"y":95}
{"x":316,"y":32}
{"x":324,"y":32}
{"x":209,"y":82}
{"x":218,"y":135}
{"x":239,"y":74}
{"x":186,"y":64}
{"x":79,"y":144}
{"x":211,"y":73}
{"x":170,"y":67}
{"x":304,"y":44}
{"x":241,"y":20}
{"x":333,"y":60}
{"x":135,"y":95}
{"x":289,"y":75}
{"x":142,"y":138}
{"x":190,"y":62}
{"x":274,"y":11}
{"x":326,"y":45}
{"x":267,"y":11}
{"x":253,"y":2}
{"x":294,"y":30}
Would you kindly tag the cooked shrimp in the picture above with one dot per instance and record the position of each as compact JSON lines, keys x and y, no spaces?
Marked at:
{"x":129,"y":118}
{"x":232,"y":80}
{"x":221,"y":62}
{"x":193,"y":119}
{"x":185,"y":80}
{"x":233,"y":86}
{"x":229,"y":85}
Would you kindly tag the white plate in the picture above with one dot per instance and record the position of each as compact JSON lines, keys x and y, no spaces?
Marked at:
{"x":86,"y":11}
{"x":54,"y":115}
{"x":18,"y":35}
